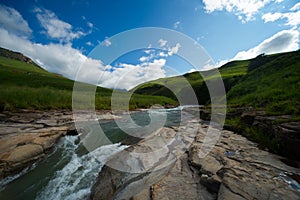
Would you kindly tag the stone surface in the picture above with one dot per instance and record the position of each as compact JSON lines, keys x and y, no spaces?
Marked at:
{"x":26,"y":136}
{"x":235,"y":169}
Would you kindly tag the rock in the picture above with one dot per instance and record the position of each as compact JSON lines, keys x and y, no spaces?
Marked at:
{"x":289,"y":134}
{"x":23,"y":153}
{"x":26,"y":136}
{"x":180,"y":183}
{"x":225,"y":194}
{"x":47,"y":141}
{"x":246,"y":173}
{"x":235,"y":169}
{"x":72,"y":130}
{"x":127,"y":176}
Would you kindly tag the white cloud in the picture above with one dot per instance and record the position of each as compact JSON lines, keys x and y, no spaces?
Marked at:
{"x":292,"y":18}
{"x":271,"y":17}
{"x":106,"y":42}
{"x":162,"y":42}
{"x":176,"y":24}
{"x":166,"y":52}
{"x":13,"y":22}
{"x":89,"y":43}
{"x":174,"y":50}
{"x":144,"y":58}
{"x":244,"y":9}
{"x":283,"y":41}
{"x":62,"y":58}
{"x":65,"y":60}
{"x":59,"y":58}
{"x":192,"y":70}
{"x":90,"y":24}
{"x":129,"y":76}
{"x":56,"y":28}
{"x":295,"y":7}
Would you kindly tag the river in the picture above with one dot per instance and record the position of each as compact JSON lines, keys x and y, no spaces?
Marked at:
{"x":70,"y":170}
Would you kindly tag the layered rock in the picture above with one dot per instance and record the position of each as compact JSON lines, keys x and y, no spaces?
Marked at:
{"x":235,"y":169}
{"x":286,"y":134}
{"x":27,"y":136}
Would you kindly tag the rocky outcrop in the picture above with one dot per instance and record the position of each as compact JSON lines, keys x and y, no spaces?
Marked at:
{"x":235,"y":169}
{"x":286,"y":134}
{"x":27,"y":136}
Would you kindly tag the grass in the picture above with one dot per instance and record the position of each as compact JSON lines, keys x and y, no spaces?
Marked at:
{"x":273,"y":86}
{"x":26,"y":86}
{"x":267,"y":82}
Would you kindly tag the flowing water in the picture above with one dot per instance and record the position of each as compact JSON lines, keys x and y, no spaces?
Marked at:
{"x":70,"y":170}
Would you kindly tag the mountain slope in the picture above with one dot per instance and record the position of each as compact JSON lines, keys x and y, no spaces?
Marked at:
{"x":272,"y":82}
{"x":267,"y":81}
{"x":25,"y":85}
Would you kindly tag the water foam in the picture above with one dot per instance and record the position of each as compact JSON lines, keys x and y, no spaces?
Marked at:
{"x":76,"y":178}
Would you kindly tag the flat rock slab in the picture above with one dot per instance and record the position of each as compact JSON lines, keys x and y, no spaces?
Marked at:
{"x":27,"y":136}
{"x":234,"y":169}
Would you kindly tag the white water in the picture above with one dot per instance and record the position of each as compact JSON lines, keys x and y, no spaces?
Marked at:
{"x":70,"y":171}
{"x":76,"y":178}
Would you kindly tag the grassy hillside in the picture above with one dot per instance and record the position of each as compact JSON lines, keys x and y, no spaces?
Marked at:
{"x":24,"y":85}
{"x":268,"y":82}
{"x":271,"y":83}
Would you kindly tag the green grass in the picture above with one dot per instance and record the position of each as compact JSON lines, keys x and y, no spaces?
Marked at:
{"x":26,"y":86}
{"x":268,"y":82}
{"x":273,"y":86}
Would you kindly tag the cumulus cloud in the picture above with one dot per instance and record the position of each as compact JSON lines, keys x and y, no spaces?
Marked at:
{"x":65,"y":60}
{"x":283,"y":41}
{"x":59,"y":58}
{"x":56,"y":28}
{"x":296,"y":7}
{"x":244,"y":9}
{"x":62,"y":58}
{"x":127,"y":76}
{"x":292,"y":18}
{"x":13,"y":22}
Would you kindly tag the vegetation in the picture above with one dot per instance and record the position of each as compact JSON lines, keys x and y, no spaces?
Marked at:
{"x":268,"y":82}
{"x":24,"y":85}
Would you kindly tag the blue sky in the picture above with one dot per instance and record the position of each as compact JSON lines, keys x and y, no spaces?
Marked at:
{"x":60,"y":36}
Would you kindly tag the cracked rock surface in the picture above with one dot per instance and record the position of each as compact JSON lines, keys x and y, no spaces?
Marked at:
{"x":235,"y":169}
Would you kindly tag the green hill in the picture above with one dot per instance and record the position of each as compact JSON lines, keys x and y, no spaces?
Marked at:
{"x":268,"y":82}
{"x":25,"y":85}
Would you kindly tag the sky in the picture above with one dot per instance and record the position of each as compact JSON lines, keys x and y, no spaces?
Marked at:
{"x":63,"y":37}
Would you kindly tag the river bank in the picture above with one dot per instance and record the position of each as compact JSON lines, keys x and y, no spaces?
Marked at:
{"x":27,"y":136}
{"x":235,"y":169}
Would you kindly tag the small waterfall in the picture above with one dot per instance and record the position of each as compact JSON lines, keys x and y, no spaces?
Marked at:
{"x":76,"y":178}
